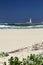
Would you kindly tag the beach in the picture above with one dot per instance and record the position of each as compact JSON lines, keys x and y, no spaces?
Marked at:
{"x":12,"y":39}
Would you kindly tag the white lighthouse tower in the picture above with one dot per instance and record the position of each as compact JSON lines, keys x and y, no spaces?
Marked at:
{"x":30,"y":21}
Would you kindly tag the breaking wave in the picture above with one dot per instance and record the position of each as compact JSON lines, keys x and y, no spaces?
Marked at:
{"x":7,"y":26}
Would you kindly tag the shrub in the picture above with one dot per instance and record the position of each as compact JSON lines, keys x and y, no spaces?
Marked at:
{"x":3,"y":54}
{"x":4,"y":63}
{"x":32,"y":59}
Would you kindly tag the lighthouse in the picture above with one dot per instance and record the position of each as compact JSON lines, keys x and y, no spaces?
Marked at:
{"x":30,"y":21}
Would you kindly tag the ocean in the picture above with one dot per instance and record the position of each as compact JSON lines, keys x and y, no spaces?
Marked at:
{"x":7,"y":26}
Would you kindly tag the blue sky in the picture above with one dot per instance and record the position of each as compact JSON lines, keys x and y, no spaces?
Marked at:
{"x":21,"y":10}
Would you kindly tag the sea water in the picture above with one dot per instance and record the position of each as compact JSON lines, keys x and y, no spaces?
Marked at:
{"x":7,"y":26}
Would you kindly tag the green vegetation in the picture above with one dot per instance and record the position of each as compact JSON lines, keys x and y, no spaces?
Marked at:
{"x":32,"y":59}
{"x":14,"y":61}
{"x":4,"y":63}
{"x":2,"y":54}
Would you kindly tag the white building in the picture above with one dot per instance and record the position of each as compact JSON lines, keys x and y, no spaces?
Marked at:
{"x":30,"y":21}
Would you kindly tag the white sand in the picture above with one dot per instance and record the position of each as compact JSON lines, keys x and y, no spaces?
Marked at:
{"x":11,"y":39}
